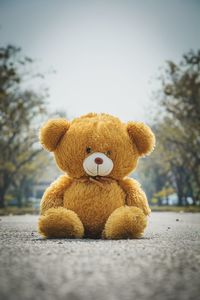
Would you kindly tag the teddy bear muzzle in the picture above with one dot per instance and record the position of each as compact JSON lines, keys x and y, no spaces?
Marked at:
{"x":98,"y":164}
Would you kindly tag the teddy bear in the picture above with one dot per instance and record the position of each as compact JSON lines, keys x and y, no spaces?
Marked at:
{"x":95,"y":198}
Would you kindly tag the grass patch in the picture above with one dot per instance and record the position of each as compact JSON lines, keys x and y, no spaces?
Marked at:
{"x":32,"y":211}
{"x":193,"y":209}
{"x":18,"y":211}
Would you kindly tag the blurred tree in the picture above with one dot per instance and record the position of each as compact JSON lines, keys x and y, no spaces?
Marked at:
{"x":181,"y":100}
{"x":28,"y":176}
{"x":153,"y":175}
{"x":21,"y":111}
{"x":174,"y":160}
{"x":177,"y":126}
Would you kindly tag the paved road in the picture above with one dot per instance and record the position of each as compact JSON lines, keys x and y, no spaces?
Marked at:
{"x":165,"y":264}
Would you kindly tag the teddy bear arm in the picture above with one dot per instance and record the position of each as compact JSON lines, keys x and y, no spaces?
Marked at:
{"x":53,"y":196}
{"x":135,"y":195}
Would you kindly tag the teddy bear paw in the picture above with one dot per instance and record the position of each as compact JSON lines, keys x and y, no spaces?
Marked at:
{"x":127,"y":222}
{"x":60,"y":223}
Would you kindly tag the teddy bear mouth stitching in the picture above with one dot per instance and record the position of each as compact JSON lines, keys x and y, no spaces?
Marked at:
{"x":89,"y":172}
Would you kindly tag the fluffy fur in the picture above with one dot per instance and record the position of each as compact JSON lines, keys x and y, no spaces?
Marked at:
{"x":77,"y":205}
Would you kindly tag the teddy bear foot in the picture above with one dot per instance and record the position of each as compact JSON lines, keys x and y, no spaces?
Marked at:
{"x":60,"y":223}
{"x":127,"y":222}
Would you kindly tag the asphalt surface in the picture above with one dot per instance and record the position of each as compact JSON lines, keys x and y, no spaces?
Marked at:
{"x":165,"y":264}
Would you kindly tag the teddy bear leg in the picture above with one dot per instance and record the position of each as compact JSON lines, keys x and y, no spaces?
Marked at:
{"x":60,"y":223}
{"x":127,"y":222}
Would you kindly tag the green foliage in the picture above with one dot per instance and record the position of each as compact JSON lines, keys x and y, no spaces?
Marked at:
{"x":176,"y":160}
{"x":21,"y":111}
{"x":165,"y":192}
{"x":173,"y":208}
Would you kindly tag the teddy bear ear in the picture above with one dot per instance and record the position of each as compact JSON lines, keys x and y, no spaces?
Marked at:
{"x":52,"y":132}
{"x":142,"y":136}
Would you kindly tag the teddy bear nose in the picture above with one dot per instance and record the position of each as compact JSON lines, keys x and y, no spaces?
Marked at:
{"x":98,"y":161}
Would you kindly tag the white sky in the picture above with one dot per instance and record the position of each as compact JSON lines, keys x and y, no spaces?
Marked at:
{"x":105,"y":52}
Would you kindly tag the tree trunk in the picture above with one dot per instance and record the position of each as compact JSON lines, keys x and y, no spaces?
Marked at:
{"x":180,"y":199}
{"x":2,"y":198}
{"x":19,"y":196}
{"x":159,"y":201}
{"x":167,"y":200}
{"x":193,"y":200}
{"x":3,"y":188}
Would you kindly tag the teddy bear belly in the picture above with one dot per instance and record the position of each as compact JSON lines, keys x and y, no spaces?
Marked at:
{"x":93,"y":204}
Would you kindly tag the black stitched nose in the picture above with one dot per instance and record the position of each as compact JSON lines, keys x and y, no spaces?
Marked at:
{"x":98,"y":161}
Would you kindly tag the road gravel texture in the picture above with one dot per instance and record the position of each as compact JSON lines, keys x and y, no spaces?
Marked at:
{"x":164,"y":264}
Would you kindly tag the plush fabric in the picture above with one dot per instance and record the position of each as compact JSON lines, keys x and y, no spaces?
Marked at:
{"x":95,"y":198}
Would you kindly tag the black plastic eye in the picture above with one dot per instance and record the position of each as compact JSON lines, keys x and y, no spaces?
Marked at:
{"x":109,"y":152}
{"x":88,"y":150}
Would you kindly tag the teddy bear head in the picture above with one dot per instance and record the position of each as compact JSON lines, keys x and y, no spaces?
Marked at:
{"x":97,"y":145}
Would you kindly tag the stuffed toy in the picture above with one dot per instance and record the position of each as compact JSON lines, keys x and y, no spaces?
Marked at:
{"x":95,"y":198}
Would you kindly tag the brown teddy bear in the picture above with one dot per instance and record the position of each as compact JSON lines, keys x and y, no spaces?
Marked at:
{"x":95,"y":198}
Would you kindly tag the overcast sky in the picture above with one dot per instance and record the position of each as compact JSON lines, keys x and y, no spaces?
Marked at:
{"x":105,"y":53}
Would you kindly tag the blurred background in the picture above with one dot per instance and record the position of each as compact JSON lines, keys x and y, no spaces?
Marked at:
{"x":138,"y":60}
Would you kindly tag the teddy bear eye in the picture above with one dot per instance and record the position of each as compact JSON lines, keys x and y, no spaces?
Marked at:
{"x":109,"y":152}
{"x":88,"y":149}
